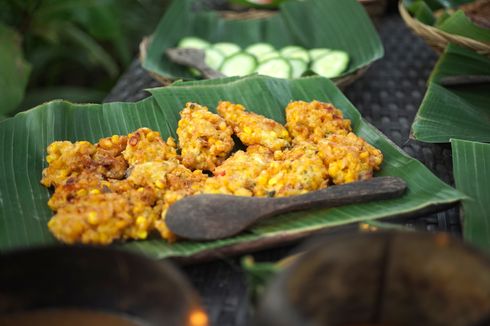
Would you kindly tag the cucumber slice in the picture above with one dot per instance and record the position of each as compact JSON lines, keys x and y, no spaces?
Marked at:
{"x":214,"y":58}
{"x":239,"y":64}
{"x":193,"y":42}
{"x":317,"y":53}
{"x":295,"y":52}
{"x":259,"y":49}
{"x":227,"y":48}
{"x":331,"y":64}
{"x":267,"y":56}
{"x":276,"y":67}
{"x":298,"y":67}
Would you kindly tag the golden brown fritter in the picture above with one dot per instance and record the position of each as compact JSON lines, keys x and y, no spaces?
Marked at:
{"x":237,"y":175}
{"x":66,"y":159}
{"x":108,"y":156}
{"x":104,"y":217}
{"x":146,"y":145}
{"x":204,"y":138}
{"x":293,"y":172}
{"x":349,"y":158}
{"x":122,"y":187}
{"x":252,"y":128}
{"x":312,"y":121}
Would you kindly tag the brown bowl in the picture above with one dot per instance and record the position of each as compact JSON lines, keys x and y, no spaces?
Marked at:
{"x":393,"y":279}
{"x":101,"y":280}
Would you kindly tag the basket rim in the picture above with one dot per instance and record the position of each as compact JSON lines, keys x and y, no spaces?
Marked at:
{"x":340,"y":82}
{"x":438,"y":38}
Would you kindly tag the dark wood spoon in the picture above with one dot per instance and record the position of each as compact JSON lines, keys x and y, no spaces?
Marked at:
{"x":210,"y":217}
{"x":193,"y":58}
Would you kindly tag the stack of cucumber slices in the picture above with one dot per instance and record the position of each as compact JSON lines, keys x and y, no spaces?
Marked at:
{"x":264,"y":59}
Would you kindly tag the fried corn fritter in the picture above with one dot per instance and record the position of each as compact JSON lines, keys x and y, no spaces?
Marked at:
{"x":292,"y":172}
{"x":204,"y":138}
{"x":237,"y":175}
{"x":252,"y":128}
{"x":313,"y":121}
{"x":122,"y":186}
{"x":145,"y":145}
{"x":349,"y":158}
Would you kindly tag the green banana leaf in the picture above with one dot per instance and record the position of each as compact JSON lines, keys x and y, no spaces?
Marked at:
{"x":455,"y":112}
{"x":459,"y":24}
{"x":471,"y":161}
{"x":14,"y":70}
{"x":312,"y":24}
{"x":456,"y":23}
{"x":24,"y":138}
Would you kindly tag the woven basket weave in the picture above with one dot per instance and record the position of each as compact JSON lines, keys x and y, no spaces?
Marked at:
{"x":438,"y":39}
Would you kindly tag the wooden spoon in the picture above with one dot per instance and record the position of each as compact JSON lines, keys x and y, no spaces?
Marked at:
{"x":210,"y":217}
{"x":193,"y":58}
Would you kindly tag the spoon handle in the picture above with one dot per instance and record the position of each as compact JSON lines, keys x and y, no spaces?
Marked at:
{"x":352,"y":193}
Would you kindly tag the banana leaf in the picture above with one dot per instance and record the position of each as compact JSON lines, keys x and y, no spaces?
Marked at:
{"x":24,"y":138}
{"x":471,"y":162}
{"x":459,"y":24}
{"x":448,"y":20}
{"x":311,"y":24}
{"x":461,"y":112}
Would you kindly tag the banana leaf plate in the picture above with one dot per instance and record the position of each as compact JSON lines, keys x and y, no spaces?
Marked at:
{"x":459,"y":111}
{"x":333,"y":24}
{"x":23,"y":200}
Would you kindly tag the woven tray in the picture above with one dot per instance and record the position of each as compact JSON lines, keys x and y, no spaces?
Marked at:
{"x":438,"y":39}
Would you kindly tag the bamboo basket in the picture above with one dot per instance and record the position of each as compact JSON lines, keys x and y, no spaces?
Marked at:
{"x":438,"y":39}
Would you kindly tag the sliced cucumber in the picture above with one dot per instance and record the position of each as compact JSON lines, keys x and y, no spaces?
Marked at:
{"x":298,"y":67}
{"x":331,"y":64}
{"x":275,"y":67}
{"x":214,"y":58}
{"x":239,"y":64}
{"x":193,"y":42}
{"x":259,"y":49}
{"x":268,"y":56}
{"x":227,"y":48}
{"x":295,"y":52}
{"x":317,"y":53}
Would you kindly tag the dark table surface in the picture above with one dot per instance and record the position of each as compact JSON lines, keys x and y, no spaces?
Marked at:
{"x":388,"y":96}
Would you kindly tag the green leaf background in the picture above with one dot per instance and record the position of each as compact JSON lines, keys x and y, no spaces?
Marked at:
{"x":455,"y":112}
{"x":471,"y":162}
{"x":14,"y":70}
{"x":315,"y":23}
{"x":24,"y":138}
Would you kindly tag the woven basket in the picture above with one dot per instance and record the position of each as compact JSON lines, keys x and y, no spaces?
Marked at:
{"x":438,"y":39}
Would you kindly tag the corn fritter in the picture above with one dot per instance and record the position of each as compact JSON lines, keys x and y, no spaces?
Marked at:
{"x":122,"y":186}
{"x":204,"y":138}
{"x":252,"y":128}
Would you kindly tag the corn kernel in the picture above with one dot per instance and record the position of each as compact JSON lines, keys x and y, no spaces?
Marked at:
{"x":92,"y":218}
{"x":94,"y":192}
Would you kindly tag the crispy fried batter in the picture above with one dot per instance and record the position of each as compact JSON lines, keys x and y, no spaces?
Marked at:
{"x":104,"y":217}
{"x":108,"y":157}
{"x":67,"y":159}
{"x":204,"y":138}
{"x":145,"y":145}
{"x":349,"y":158}
{"x":122,"y":187}
{"x":237,"y":175}
{"x":293,"y":172}
{"x":314,"y":121}
{"x":252,"y":128}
